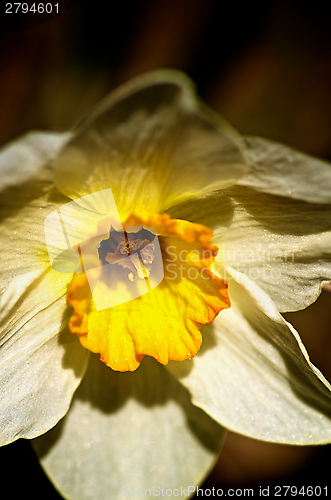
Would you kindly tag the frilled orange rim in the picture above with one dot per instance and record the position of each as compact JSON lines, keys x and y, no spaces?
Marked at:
{"x":165,"y":265}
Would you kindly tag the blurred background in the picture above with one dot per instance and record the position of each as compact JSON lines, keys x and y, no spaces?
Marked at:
{"x":266,"y":69}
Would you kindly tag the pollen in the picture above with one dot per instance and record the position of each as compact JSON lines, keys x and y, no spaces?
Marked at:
{"x":140,"y":253}
{"x":165,"y":265}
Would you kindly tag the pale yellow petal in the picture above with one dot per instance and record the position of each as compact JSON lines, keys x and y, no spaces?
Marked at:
{"x":283,"y":244}
{"x":253,"y":374}
{"x":153,"y":144}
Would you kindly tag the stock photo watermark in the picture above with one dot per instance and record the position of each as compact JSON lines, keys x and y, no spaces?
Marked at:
{"x":258,"y":491}
{"x":21,"y":16}
{"x":86,"y":236}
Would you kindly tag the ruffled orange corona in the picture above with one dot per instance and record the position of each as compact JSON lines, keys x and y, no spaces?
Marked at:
{"x":163,"y":323}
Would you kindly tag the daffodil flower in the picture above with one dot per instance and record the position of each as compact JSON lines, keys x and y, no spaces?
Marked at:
{"x":246,"y":221}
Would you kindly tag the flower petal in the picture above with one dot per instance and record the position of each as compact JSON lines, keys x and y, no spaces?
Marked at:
{"x":23,"y":211}
{"x":15,"y":290}
{"x":24,"y":159}
{"x":129,"y":431}
{"x":253,"y":374}
{"x":281,"y":243}
{"x":42,"y":363}
{"x":280,"y":170}
{"x":152,"y":143}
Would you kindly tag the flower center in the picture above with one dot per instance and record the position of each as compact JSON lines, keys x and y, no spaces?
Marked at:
{"x":151,"y":293}
{"x":135,"y":252}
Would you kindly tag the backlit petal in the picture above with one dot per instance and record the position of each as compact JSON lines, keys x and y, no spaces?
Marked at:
{"x":153,"y":144}
{"x":253,"y":374}
{"x":129,"y":431}
{"x":23,"y":211}
{"x":41,"y":362}
{"x":29,"y":157}
{"x":283,"y":244}
{"x":280,"y":170}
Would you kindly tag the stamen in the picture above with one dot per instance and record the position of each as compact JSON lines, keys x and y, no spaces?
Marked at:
{"x":132,"y":252}
{"x":127,"y":243}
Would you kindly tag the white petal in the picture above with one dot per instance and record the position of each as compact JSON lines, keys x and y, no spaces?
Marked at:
{"x":22,"y":160}
{"x":281,"y":243}
{"x":280,"y":170}
{"x":153,"y":144}
{"x":41,"y":362}
{"x":23,"y":211}
{"x":15,"y":290}
{"x":253,"y":374}
{"x":129,"y":431}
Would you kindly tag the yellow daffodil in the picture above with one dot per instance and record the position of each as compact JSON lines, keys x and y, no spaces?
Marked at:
{"x":242,"y":228}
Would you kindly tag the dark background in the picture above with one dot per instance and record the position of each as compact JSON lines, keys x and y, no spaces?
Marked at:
{"x":267,"y":70}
